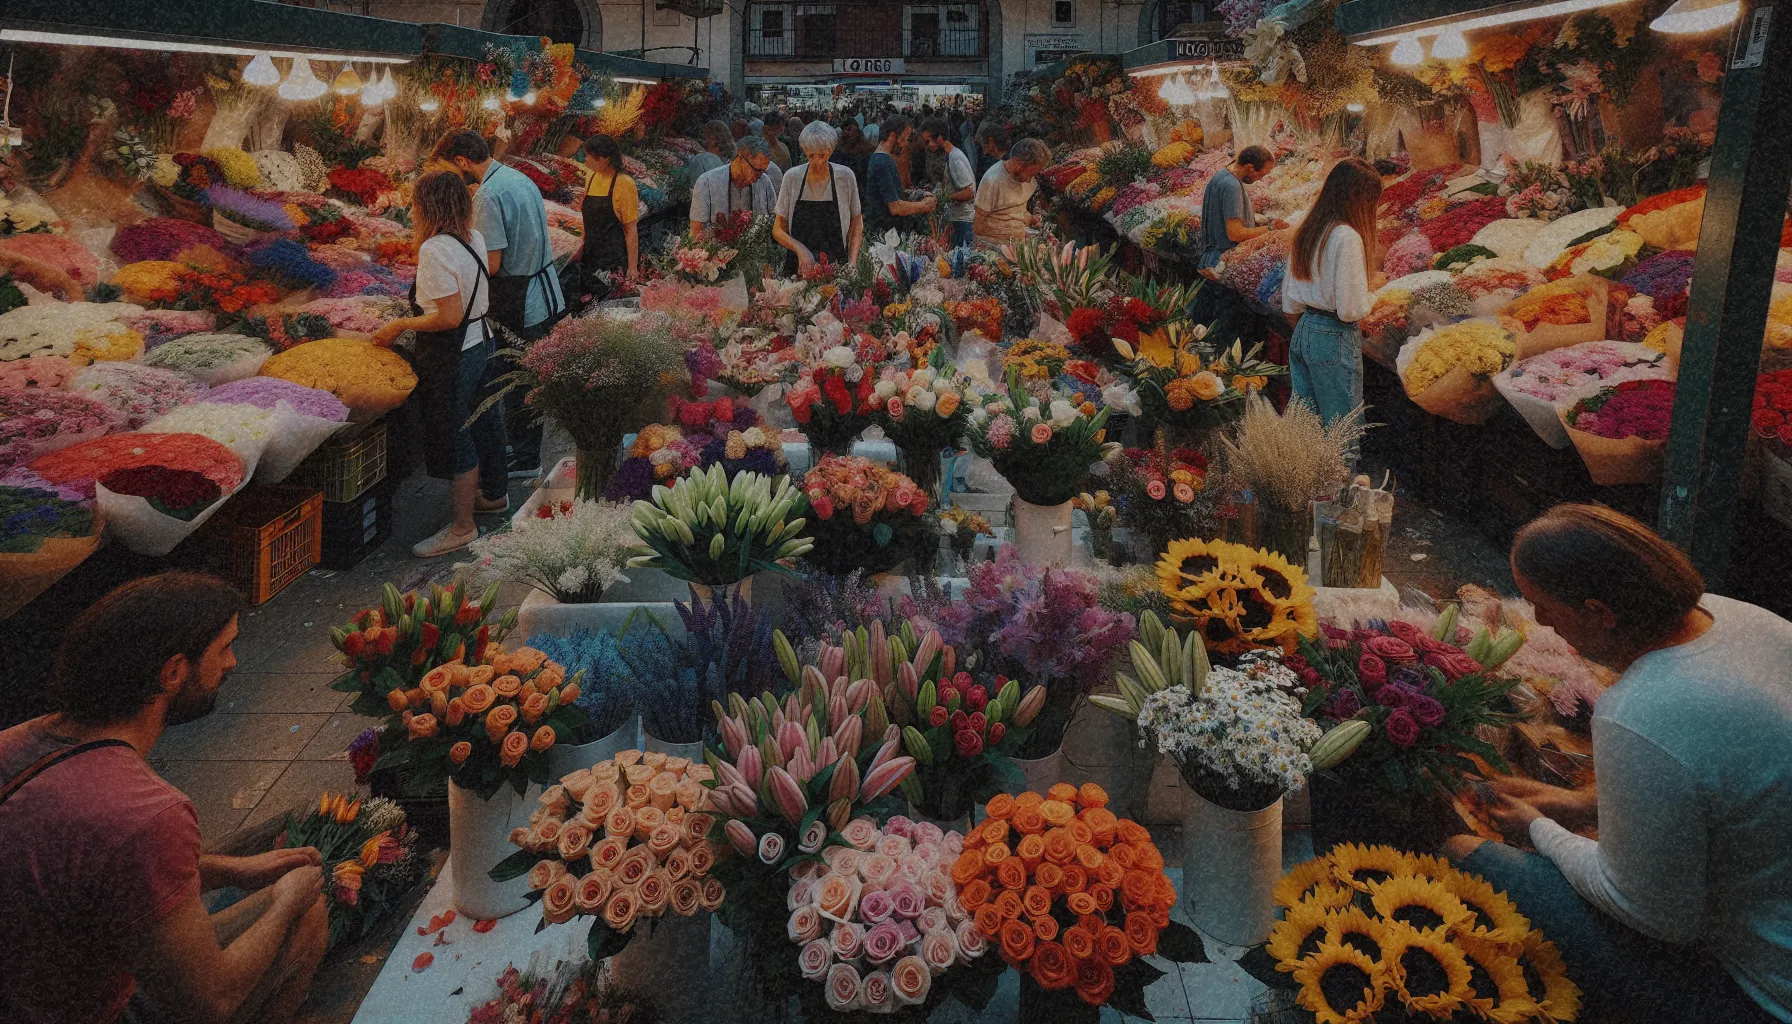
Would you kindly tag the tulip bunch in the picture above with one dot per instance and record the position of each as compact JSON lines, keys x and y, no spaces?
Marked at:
{"x":625,"y":839}
{"x":484,"y":725}
{"x":960,"y":732}
{"x":791,"y":772}
{"x":708,"y":530}
{"x":392,"y":647}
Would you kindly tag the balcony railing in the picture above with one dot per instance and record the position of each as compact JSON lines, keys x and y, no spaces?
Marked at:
{"x":923,"y":31}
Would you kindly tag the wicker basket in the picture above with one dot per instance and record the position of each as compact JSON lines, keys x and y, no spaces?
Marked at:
{"x":241,"y":234}
{"x":184,"y":209}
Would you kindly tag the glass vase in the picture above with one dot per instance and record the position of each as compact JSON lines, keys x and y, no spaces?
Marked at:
{"x":1285,"y":532}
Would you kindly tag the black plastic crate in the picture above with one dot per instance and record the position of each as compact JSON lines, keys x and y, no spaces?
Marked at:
{"x":352,"y":529}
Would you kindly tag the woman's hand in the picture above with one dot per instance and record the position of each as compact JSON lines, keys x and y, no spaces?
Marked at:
{"x":389,"y":332}
{"x":805,"y":261}
{"x":1513,"y":818}
{"x":1570,"y":807}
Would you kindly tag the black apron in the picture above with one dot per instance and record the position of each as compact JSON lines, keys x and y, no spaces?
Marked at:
{"x":437,"y":358}
{"x":817,"y":225}
{"x":606,"y":251}
{"x":509,"y":305}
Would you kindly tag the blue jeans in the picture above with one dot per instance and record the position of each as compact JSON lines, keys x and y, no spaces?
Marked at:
{"x":962,"y":233}
{"x":481,"y":445}
{"x":1325,"y":365}
{"x":1624,"y":975}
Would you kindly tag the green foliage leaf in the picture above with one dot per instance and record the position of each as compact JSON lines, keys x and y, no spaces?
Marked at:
{"x":347,"y":682}
{"x":516,"y":865}
{"x":395,"y":758}
{"x":1130,"y":982}
{"x":603,"y":941}
{"x":1257,"y":963}
{"x":1181,"y":944}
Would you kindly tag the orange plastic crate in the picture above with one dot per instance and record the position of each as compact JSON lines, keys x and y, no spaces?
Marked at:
{"x":272,"y":536}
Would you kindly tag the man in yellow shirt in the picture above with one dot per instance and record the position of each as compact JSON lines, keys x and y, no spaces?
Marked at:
{"x":611,"y":210}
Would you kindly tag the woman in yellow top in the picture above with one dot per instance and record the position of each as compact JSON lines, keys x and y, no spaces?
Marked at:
{"x":611,"y":209}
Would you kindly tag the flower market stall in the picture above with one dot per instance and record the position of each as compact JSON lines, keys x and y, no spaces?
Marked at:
{"x":200,"y":241}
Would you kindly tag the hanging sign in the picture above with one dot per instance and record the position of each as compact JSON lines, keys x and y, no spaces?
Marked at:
{"x":1751,"y":48}
{"x":1209,"y":49}
{"x":869,"y":65}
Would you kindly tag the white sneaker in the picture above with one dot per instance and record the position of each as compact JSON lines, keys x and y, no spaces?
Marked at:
{"x":444,"y":542}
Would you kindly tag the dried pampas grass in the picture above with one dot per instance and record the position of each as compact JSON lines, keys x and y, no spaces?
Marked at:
{"x":1290,"y":458}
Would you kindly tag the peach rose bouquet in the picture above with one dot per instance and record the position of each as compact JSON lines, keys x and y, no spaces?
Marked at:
{"x":625,"y":840}
{"x":1072,"y":896}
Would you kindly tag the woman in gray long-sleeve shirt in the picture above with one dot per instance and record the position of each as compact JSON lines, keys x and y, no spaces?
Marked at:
{"x":1682,"y":909}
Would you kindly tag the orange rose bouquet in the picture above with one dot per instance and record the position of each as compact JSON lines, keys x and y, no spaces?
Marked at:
{"x":625,"y":840}
{"x":1073,"y":897}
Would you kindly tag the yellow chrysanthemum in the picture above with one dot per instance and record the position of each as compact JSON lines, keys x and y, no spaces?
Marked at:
{"x":1419,"y":902}
{"x":1496,"y":984}
{"x":1356,"y":866}
{"x":1339,"y":985}
{"x":1427,"y":972}
{"x":1350,"y":926}
{"x":1546,"y":979}
{"x":1297,"y":935}
{"x":1492,"y":916}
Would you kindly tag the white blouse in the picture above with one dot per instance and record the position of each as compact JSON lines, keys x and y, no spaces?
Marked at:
{"x":1341,"y":284}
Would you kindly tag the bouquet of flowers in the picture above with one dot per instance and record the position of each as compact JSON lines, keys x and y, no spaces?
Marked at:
{"x":1183,"y":383}
{"x":569,"y":550}
{"x":1162,"y":493}
{"x":247,"y":211}
{"x":163,"y":325}
{"x":961,"y":528}
{"x":1571,"y":230}
{"x":1535,"y":386}
{"x":722,"y":432}
{"x":83,"y":332}
{"x":372,"y":859}
{"x":570,"y":992}
{"x":599,"y":376}
{"x":1071,"y":896}
{"x":877,"y":919}
{"x":713,"y":531}
{"x":866,"y":517}
{"x":244,"y":429}
{"x":623,"y":842}
{"x":80,"y":466}
{"x":370,"y":380}
{"x":675,"y":679}
{"x":1423,"y":698}
{"x":45,"y":531}
{"x":1449,"y":370}
{"x":388,"y":649}
{"x":834,"y":401}
{"x":1621,"y":430}
{"x":1043,"y":450}
{"x":213,"y":358}
{"x":1035,"y":360}
{"x":1772,"y":402}
{"x":1372,"y":933}
{"x":35,"y":421}
{"x":47,"y":373}
{"x":360,"y":185}
{"x":1669,"y":220}
{"x":923,"y":412}
{"x":1236,"y":598}
{"x":1611,"y":255}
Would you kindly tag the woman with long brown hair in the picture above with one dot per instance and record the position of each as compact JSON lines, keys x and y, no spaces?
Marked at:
{"x":1327,"y":287}
{"x":451,"y":296}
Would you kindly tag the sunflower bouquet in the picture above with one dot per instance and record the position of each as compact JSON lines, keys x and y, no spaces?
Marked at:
{"x":1237,"y":598}
{"x":1184,"y":383}
{"x":1423,"y":697}
{"x":1372,"y":933}
{"x":1044,"y":449}
{"x":624,"y":841}
{"x":1071,"y":896}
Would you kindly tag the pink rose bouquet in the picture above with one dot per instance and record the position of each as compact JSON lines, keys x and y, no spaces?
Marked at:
{"x":866,"y":517}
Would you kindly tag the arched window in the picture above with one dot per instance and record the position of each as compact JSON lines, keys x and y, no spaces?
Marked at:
{"x":1158,"y":18}
{"x":563,"y":21}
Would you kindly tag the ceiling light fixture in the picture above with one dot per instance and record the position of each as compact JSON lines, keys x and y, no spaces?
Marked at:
{"x":1688,"y":17}
{"x":1408,"y":52}
{"x":1450,"y":44}
{"x":22,"y":35}
{"x":373,"y":93}
{"x":261,"y":71}
{"x":300,"y":83}
{"x":347,"y":82}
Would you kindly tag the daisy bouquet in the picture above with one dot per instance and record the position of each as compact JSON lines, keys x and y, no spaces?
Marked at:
{"x":866,"y":517}
{"x":1236,"y":598}
{"x":1071,"y":896}
{"x":569,"y":550}
{"x":372,"y":858}
{"x":624,"y":842}
{"x":1422,"y":697}
{"x":1044,"y":449}
{"x":1373,"y":933}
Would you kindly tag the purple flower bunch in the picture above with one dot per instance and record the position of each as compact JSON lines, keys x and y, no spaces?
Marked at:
{"x":1411,"y":254}
{"x":369,"y":279}
{"x":1045,"y":623}
{"x":249,"y":210}
{"x":1552,"y":375}
{"x":1136,"y":194}
{"x":267,"y":392}
{"x":1663,"y":275}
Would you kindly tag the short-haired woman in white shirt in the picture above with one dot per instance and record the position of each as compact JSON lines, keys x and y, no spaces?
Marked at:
{"x":451,"y":294}
{"x":1327,"y":285}
{"x":818,"y":206}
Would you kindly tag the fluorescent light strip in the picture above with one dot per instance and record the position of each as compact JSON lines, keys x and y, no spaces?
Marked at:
{"x":1508,"y":17}
{"x":637,"y":81}
{"x":1166,"y":69}
{"x":21,"y":35}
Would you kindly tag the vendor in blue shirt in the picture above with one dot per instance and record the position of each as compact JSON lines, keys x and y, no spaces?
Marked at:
{"x":1226,"y":217}
{"x":886,"y":207}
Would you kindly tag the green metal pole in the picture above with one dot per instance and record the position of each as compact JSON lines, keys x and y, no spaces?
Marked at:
{"x":1745,"y":206}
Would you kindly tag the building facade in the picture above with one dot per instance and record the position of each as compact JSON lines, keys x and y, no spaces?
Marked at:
{"x":974,"y":45}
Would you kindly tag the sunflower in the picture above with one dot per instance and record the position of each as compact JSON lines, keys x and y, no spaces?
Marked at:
{"x":1351,"y":927}
{"x":1496,"y":983}
{"x":1428,"y":973}
{"x":1492,"y":916}
{"x":1340,"y":985}
{"x":1191,"y":565}
{"x":1283,"y":581}
{"x":1297,"y":935}
{"x":1430,"y":865}
{"x":1306,"y":879}
{"x":1419,"y":902}
{"x":1356,"y":866}
{"x":1546,"y":980}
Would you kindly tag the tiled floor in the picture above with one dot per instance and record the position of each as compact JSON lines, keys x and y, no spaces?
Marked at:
{"x":278,"y":734}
